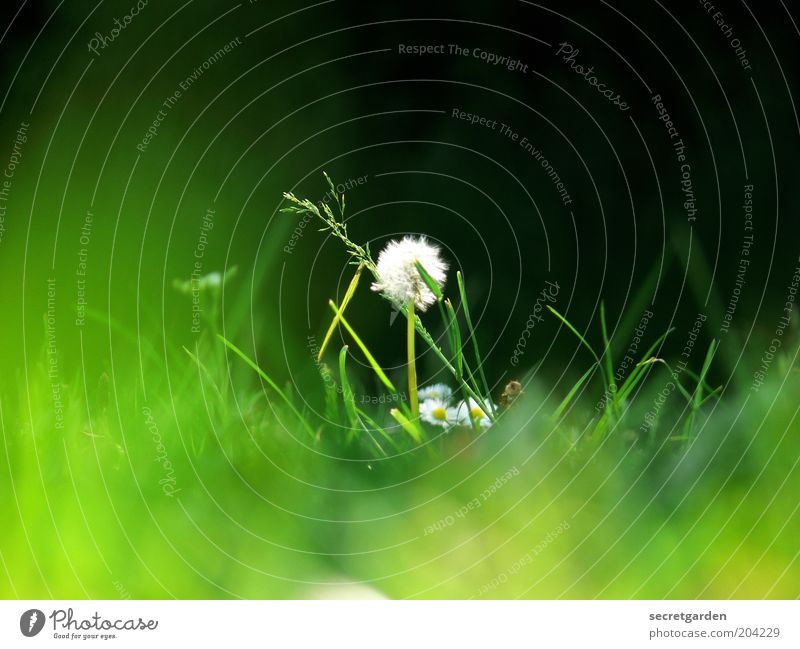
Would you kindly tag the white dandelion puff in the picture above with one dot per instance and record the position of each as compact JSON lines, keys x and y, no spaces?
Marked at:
{"x":398,"y":277}
{"x":438,"y":412}
{"x":436,"y":391}
{"x":470,"y":411}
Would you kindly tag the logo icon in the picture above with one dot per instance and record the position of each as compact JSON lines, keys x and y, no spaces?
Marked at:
{"x":31,"y":622}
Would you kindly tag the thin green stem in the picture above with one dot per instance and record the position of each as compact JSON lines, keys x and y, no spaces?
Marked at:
{"x":585,"y":344}
{"x":476,"y":351}
{"x":449,"y":367}
{"x":612,"y":385}
{"x":269,"y":381}
{"x":370,"y":358}
{"x":413,"y":397}
{"x":345,"y":301}
{"x":407,"y":425}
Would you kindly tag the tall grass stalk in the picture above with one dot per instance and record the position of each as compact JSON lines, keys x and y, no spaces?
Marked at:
{"x":270,"y":382}
{"x":413,"y":398}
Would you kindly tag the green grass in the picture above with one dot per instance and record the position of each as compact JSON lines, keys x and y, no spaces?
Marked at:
{"x":701,"y":506}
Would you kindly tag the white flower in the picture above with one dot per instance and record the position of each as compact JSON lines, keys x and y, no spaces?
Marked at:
{"x":398,"y":277}
{"x":438,"y":412}
{"x":436,"y":391}
{"x":469,"y":411}
{"x":212,"y":280}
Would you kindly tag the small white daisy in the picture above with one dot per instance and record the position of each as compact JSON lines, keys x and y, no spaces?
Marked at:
{"x":436,"y":391}
{"x":438,"y":412}
{"x":469,"y":411}
{"x":398,"y":277}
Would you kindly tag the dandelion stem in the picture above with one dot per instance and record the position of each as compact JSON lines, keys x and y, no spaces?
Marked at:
{"x":412,"y":361}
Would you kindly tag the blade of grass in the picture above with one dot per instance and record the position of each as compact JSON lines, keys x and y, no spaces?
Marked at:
{"x":697,"y":397}
{"x":628,"y":385}
{"x":714,"y":393}
{"x":370,"y":358}
{"x":435,"y":288}
{"x":463,"y":372}
{"x":379,"y":429}
{"x":371,"y":437}
{"x":449,"y":322}
{"x":457,"y":350}
{"x":571,"y":394}
{"x":470,"y":375}
{"x":426,"y":336}
{"x":205,"y":371}
{"x":269,"y":381}
{"x":347,"y":395}
{"x":411,"y":339}
{"x":697,"y":379}
{"x":407,"y":425}
{"x":475,"y":350}
{"x":577,"y":334}
{"x":638,"y":372}
{"x":606,"y":388}
{"x":331,"y":393}
{"x":710,"y":355}
{"x":351,"y":289}
{"x":609,"y":366}
{"x":674,"y":374}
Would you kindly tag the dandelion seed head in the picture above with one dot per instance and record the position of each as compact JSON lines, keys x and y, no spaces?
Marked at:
{"x":398,"y":277}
